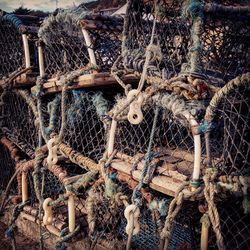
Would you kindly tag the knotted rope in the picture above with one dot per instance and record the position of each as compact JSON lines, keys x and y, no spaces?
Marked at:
{"x":173,"y":210}
{"x":209,"y":192}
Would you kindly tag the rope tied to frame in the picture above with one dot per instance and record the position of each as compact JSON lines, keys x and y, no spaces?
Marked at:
{"x":10,"y":231}
{"x":66,"y":236}
{"x":209,"y":191}
{"x":173,"y":210}
{"x":132,"y":211}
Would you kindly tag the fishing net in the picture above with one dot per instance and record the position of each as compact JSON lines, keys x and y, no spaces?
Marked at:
{"x":19,"y":122}
{"x":224,"y":42}
{"x":85,"y":120}
{"x":232,"y":127}
{"x":12,"y":54}
{"x":66,"y":42}
{"x":210,"y":43}
{"x":234,"y":224}
{"x":171,"y":37}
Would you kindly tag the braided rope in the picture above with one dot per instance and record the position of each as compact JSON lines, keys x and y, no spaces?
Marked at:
{"x":146,"y":168}
{"x":173,"y":210}
{"x":209,"y":192}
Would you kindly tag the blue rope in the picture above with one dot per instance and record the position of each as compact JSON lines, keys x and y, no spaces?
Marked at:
{"x":17,"y":23}
{"x":136,"y":193}
{"x":193,"y":9}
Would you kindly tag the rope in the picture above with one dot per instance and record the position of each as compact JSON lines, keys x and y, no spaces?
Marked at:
{"x":209,"y":192}
{"x":66,"y":237}
{"x":40,"y":210}
{"x":242,"y":80}
{"x":135,"y":196}
{"x":14,"y":20}
{"x":10,"y":231}
{"x":173,"y":210}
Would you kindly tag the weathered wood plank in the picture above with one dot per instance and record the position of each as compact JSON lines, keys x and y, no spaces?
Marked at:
{"x":163,"y":184}
{"x":89,"y":80}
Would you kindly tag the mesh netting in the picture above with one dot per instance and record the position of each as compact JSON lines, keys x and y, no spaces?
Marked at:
{"x":19,"y":122}
{"x":11,"y":46}
{"x":66,"y":49}
{"x":235,"y":226}
{"x":225,"y":47}
{"x":85,"y":117}
{"x":173,"y":141}
{"x":171,"y":36}
{"x":232,"y":121}
{"x":106,"y":40}
{"x":85,"y":131}
{"x":221,"y":43}
{"x":7,"y":169}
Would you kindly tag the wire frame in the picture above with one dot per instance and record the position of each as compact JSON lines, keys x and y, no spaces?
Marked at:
{"x":11,"y":46}
{"x":232,"y":123}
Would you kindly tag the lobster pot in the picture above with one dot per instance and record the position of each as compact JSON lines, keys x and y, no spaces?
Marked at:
{"x":85,"y":120}
{"x":224,"y":40}
{"x":230,"y":139}
{"x":18,"y":44}
{"x":19,"y":121}
{"x":173,"y":144}
{"x":69,"y":45}
{"x":170,"y":40}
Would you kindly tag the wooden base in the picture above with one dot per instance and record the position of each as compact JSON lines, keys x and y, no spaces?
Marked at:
{"x":86,"y":81}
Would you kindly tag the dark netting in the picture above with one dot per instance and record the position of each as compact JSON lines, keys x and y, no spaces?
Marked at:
{"x":172,"y":35}
{"x":65,"y":49}
{"x":11,"y":46}
{"x":106,"y":39}
{"x":7,"y":169}
{"x":232,"y":124}
{"x":19,"y":122}
{"x":235,"y":225}
{"x":85,"y":131}
{"x":85,"y":118}
{"x":173,"y":142}
{"x":225,"y":45}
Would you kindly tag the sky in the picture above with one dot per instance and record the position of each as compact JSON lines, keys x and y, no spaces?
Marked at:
{"x":45,"y":5}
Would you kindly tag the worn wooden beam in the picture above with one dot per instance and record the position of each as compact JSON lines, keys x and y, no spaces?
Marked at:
{"x":85,"y":81}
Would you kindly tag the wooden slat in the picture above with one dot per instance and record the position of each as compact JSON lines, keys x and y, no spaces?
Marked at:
{"x":163,"y":184}
{"x":85,"y":81}
{"x":25,"y":79}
